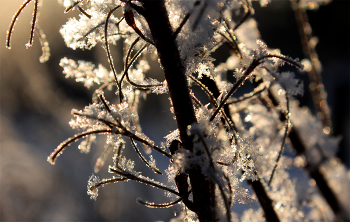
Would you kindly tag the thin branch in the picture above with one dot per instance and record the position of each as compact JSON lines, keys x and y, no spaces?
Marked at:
{"x":283,"y":141}
{"x":143,"y":158}
{"x":247,"y":96}
{"x":32,"y":30}
{"x":142,"y":180}
{"x":247,"y":72}
{"x":226,"y":202}
{"x":165,"y":205}
{"x":247,"y":14}
{"x":83,"y":11}
{"x":108,"y":181}
{"x":110,"y":60}
{"x":201,"y":12}
{"x":13,"y":21}
{"x":214,"y":102}
{"x":184,"y":20}
{"x":57,"y":152}
{"x":316,"y":86}
{"x":69,"y":8}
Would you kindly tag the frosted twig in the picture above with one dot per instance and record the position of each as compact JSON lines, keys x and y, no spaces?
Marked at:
{"x":247,"y":72}
{"x":142,"y":180}
{"x":214,"y":102}
{"x":53,"y":156}
{"x":143,"y":158}
{"x":166,"y":205}
{"x":69,"y":8}
{"x":185,"y":19}
{"x":13,"y":21}
{"x":283,"y":142}
{"x":110,"y":60}
{"x":34,"y":19}
{"x":247,"y":96}
{"x":108,"y":181}
{"x":44,"y":45}
{"x":248,"y":12}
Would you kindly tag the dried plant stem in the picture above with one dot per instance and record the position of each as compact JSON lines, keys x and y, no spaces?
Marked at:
{"x":316,"y":86}
{"x":13,"y":22}
{"x":161,"y":30}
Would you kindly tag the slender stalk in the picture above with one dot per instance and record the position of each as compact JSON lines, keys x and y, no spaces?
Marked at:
{"x":174,"y":72}
{"x":316,"y":86}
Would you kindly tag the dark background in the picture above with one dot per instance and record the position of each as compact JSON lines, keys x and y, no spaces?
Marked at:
{"x":36,"y":100}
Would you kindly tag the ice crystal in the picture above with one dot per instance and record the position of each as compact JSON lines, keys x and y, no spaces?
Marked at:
{"x":85,"y":72}
{"x":93,"y":181}
{"x":290,"y":84}
{"x":86,"y":32}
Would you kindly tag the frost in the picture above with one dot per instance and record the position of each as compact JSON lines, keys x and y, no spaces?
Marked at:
{"x":85,"y":72}
{"x":293,"y":86}
{"x":86,"y":32}
{"x":85,"y":145}
{"x":93,"y":181}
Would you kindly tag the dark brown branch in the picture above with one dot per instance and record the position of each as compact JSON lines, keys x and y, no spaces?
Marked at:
{"x":177,"y":83}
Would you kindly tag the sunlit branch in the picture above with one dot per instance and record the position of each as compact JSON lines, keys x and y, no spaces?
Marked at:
{"x":316,"y":86}
{"x":102,"y":159}
{"x":165,"y":205}
{"x":52,"y":158}
{"x":143,"y":158}
{"x":108,"y":181}
{"x":232,"y":43}
{"x":83,"y":11}
{"x":110,"y":60}
{"x":13,"y":21}
{"x":34,"y":19}
{"x":142,"y":180}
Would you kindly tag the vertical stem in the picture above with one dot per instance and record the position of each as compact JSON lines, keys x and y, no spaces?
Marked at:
{"x":316,"y":86}
{"x":174,"y":71}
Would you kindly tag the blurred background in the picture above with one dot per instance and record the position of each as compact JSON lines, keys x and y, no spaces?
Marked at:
{"x":36,"y":100}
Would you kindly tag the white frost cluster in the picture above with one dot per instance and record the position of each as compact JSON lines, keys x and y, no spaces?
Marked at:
{"x":85,"y":72}
{"x":93,"y":181}
{"x":86,"y":32}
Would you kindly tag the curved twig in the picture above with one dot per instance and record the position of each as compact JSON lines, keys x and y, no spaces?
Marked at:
{"x":283,"y":142}
{"x":247,"y":96}
{"x":166,"y":205}
{"x":142,"y":180}
{"x":107,"y":181}
{"x":53,"y":156}
{"x":143,"y":158}
{"x":13,"y":21}
{"x":110,"y":60}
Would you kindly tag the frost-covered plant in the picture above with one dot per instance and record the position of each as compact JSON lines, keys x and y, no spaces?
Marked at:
{"x":218,"y":146}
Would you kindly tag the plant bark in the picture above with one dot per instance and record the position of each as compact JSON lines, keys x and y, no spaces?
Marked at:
{"x":203,"y":189}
